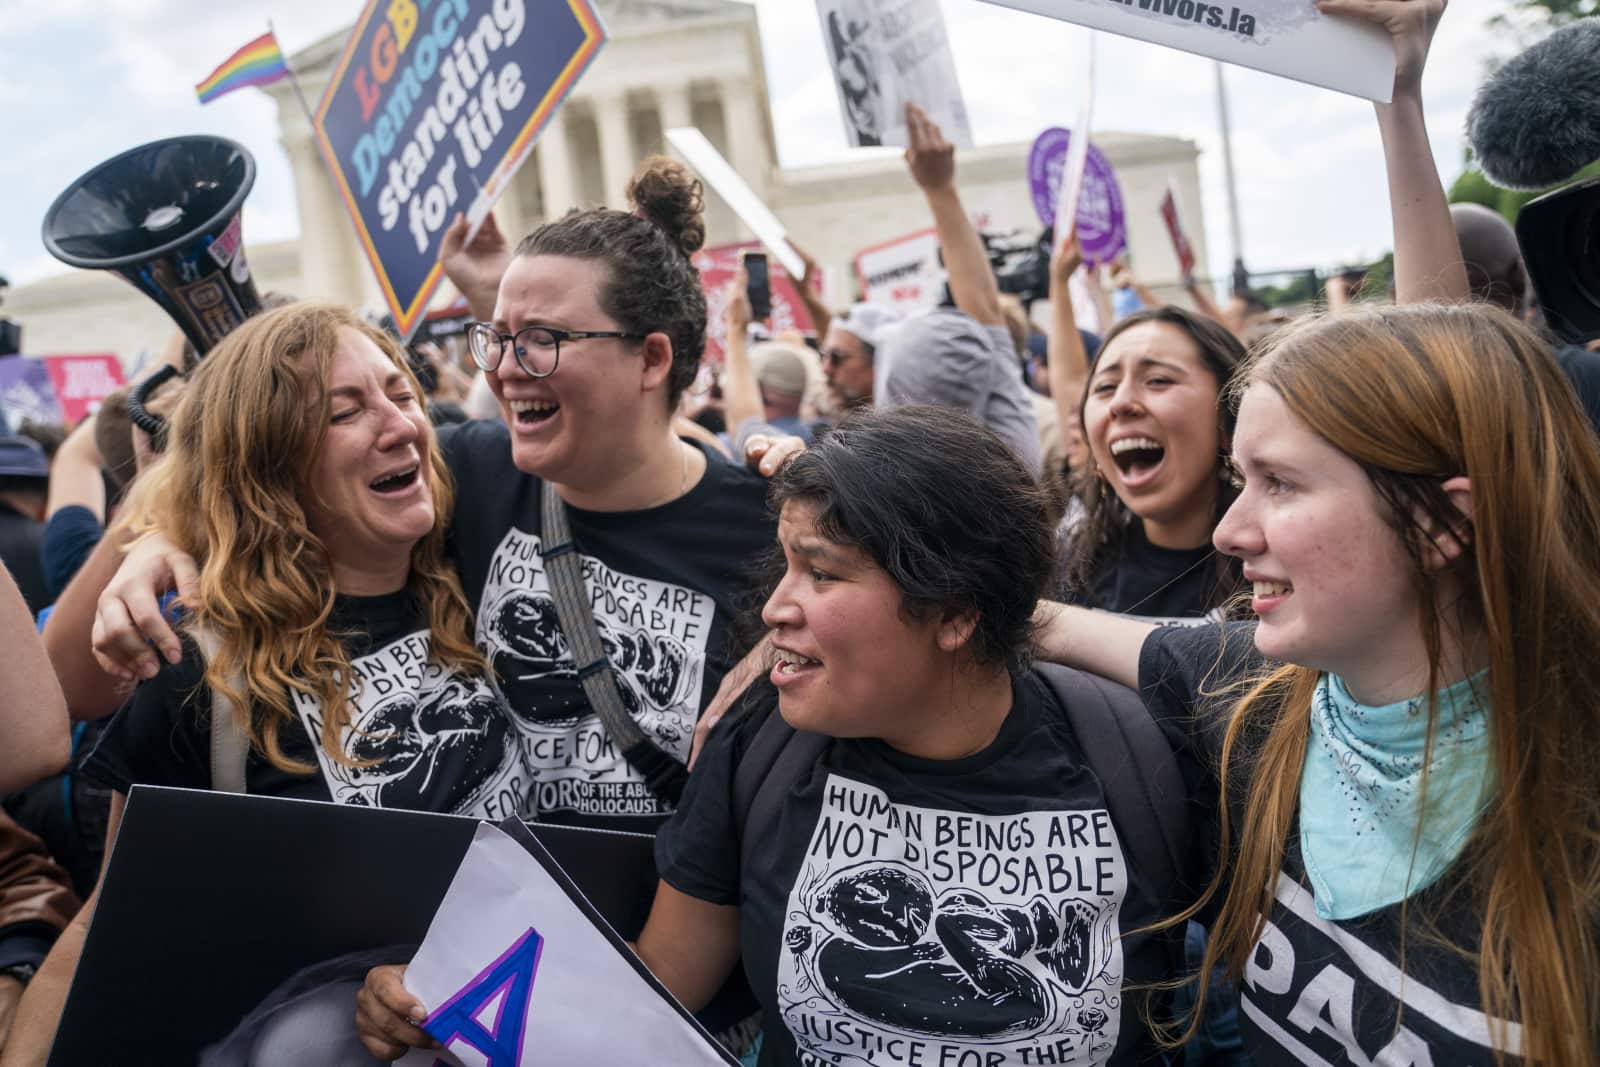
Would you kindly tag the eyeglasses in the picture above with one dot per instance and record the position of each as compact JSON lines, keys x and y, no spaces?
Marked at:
{"x":537,"y":348}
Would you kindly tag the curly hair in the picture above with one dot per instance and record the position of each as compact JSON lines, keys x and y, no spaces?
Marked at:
{"x":944,"y":507}
{"x":229,"y":491}
{"x":651,"y":285}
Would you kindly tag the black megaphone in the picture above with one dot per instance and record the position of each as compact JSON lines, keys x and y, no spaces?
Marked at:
{"x":165,"y":216}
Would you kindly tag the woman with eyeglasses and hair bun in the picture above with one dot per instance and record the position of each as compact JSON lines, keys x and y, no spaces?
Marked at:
{"x":591,"y":329}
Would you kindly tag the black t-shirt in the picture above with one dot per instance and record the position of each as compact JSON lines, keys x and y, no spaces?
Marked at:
{"x":664,"y":582}
{"x":442,"y":740}
{"x":1135,"y":577}
{"x":913,"y":911}
{"x":1315,"y":990}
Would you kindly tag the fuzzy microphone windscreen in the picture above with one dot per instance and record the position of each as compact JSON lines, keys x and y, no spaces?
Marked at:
{"x":1536,"y":121}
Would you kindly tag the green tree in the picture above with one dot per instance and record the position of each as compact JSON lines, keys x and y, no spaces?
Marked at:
{"x":1474,"y":187}
{"x":1559,"y":12}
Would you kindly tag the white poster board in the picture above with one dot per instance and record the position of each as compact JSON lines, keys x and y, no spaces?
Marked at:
{"x":884,"y":55}
{"x":515,"y":970}
{"x":703,"y":156}
{"x":903,"y":273}
{"x":1071,"y":187}
{"x":1284,"y":37}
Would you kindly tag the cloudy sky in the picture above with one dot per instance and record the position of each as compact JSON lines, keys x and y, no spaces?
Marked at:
{"x":84,"y":79}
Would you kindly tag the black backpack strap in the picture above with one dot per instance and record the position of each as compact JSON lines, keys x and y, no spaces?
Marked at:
{"x":663,"y":774}
{"x":1127,"y":752}
{"x":776,"y":758}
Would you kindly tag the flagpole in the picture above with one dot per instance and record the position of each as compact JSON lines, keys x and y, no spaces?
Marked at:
{"x":1234,"y":227}
{"x":294,"y":80}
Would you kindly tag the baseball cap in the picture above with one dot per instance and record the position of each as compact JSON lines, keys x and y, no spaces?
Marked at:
{"x":870,"y":324}
{"x":22,"y":458}
{"x":779,"y":367}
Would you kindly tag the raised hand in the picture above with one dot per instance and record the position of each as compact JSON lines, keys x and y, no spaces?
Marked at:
{"x":475,"y":267}
{"x":736,"y":311}
{"x":1066,"y":260}
{"x":931,"y":158}
{"x":1410,"y":25}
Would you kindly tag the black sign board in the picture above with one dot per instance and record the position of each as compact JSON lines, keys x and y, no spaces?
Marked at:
{"x":211,"y":900}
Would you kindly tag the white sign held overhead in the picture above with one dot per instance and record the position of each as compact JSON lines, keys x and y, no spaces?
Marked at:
{"x":1077,"y":156}
{"x":886,"y":54}
{"x":518,"y":969}
{"x":703,"y":156}
{"x":1290,"y":38}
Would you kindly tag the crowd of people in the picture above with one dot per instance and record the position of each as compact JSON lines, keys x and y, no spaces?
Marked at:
{"x":1212,"y":691}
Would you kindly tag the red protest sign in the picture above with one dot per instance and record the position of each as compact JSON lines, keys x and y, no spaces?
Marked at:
{"x":82,"y":382}
{"x":1180,"y":240}
{"x":718,"y":266}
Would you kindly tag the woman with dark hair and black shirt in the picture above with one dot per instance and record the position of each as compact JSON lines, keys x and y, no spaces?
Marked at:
{"x":1156,"y":483}
{"x":944,"y":881}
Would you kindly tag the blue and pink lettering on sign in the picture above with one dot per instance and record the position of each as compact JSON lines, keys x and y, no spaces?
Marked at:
{"x":490,"y":1013}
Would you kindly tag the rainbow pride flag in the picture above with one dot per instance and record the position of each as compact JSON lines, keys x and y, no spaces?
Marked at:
{"x":258,"y":63}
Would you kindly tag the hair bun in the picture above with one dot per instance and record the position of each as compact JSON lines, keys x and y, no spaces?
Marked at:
{"x":665,"y":192}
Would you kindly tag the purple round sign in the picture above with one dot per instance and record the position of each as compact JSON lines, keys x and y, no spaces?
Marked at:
{"x":1102,"y":231}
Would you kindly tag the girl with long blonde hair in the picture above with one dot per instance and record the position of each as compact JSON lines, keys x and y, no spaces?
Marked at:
{"x":1404,"y":743}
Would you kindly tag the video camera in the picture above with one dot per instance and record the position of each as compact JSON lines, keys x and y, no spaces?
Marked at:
{"x":1529,"y":132}
{"x":1021,"y":264}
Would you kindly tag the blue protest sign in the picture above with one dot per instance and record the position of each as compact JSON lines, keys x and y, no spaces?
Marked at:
{"x":434,"y":104}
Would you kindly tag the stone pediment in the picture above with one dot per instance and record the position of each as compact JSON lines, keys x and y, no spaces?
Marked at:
{"x":622,"y":18}
{"x":621,"y":14}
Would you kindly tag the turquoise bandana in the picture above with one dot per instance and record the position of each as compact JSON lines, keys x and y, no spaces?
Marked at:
{"x":1360,"y":791}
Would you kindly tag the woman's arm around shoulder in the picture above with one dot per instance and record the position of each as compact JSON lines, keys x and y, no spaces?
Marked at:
{"x":1094,"y":641}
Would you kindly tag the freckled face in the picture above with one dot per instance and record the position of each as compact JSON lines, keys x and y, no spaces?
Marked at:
{"x":1331,"y":578}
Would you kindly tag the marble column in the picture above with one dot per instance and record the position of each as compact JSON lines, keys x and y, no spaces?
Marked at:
{"x":554,"y":153}
{"x":331,"y":267}
{"x":616,"y":147}
{"x":673,"y":102}
{"x":746,"y":131}
{"x":514,"y":221}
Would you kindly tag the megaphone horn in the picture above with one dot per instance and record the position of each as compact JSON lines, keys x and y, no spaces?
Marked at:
{"x":165,"y":216}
